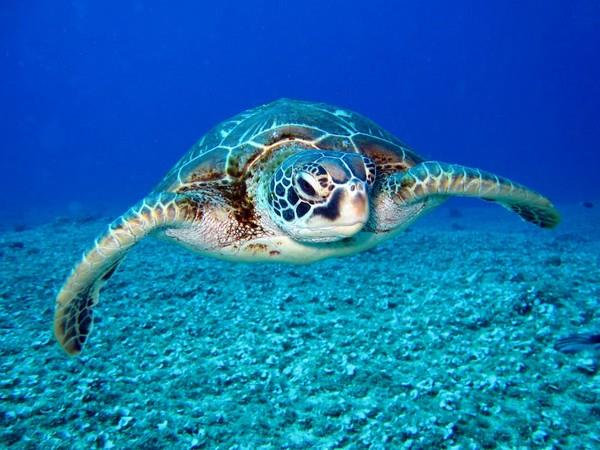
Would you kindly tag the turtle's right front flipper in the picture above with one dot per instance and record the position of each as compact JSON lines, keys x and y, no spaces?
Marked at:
{"x":73,"y":316}
{"x":440,"y":180}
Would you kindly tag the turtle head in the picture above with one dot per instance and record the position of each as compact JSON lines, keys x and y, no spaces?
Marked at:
{"x":321,"y":196}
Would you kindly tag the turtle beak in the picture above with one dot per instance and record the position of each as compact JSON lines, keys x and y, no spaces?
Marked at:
{"x":345,"y":214}
{"x":354,"y":207}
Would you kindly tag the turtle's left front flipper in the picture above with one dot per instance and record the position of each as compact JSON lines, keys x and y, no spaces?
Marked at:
{"x":79,"y":294}
{"x":436,"y":179}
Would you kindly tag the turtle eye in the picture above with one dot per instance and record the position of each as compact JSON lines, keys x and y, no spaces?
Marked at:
{"x":307,"y":186}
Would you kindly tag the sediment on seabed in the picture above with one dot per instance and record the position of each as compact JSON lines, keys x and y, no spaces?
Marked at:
{"x":443,"y":337}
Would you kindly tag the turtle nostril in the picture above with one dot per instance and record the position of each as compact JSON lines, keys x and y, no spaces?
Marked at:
{"x":357,"y":186}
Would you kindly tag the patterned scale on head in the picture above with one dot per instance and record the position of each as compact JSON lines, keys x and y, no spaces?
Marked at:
{"x":322,"y":196}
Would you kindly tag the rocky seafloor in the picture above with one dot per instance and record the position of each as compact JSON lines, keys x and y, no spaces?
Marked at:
{"x":441,"y":338}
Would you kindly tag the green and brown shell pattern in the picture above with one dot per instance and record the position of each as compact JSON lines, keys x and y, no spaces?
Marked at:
{"x":228,"y":153}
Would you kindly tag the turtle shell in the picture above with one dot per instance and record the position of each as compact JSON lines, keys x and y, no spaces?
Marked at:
{"x":227,"y":153}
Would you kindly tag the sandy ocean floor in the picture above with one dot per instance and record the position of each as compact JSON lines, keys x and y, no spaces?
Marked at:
{"x":442,"y":338}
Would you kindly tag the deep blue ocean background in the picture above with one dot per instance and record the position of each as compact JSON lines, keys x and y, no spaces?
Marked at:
{"x":444,"y":337}
{"x":99,"y":99}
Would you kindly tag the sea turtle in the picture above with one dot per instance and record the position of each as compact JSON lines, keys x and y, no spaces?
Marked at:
{"x":290,"y":181}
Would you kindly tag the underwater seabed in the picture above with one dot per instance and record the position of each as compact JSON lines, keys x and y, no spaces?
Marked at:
{"x":442,"y":338}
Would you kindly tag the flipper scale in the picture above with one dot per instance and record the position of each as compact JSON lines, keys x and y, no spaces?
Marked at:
{"x":435,"y":179}
{"x":73,"y":317}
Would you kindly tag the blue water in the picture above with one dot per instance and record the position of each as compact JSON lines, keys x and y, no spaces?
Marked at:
{"x":441,"y":338}
{"x":100,"y":99}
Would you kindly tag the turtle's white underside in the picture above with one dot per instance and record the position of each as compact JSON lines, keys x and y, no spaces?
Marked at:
{"x":282,"y":248}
